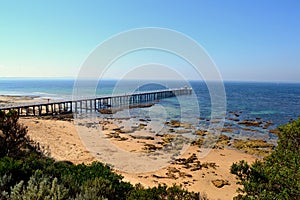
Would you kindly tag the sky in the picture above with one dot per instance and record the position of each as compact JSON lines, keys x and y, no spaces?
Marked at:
{"x":249,"y":40}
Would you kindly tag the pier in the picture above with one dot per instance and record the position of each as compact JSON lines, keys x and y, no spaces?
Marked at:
{"x":96,"y":103}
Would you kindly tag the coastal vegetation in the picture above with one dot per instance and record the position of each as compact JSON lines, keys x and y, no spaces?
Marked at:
{"x":27,"y":172}
{"x":277,"y":175}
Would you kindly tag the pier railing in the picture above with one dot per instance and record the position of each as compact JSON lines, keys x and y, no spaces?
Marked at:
{"x":95,"y":103}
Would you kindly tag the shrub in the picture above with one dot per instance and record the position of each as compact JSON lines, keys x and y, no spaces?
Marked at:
{"x":39,"y":187}
{"x":13,"y":139}
{"x":277,"y":177}
{"x":162,"y":192}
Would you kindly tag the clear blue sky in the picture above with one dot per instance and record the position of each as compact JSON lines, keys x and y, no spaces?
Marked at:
{"x":255,"y":40}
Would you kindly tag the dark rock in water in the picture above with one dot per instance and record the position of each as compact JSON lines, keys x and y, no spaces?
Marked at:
{"x":201,"y":118}
{"x":107,"y":111}
{"x":220,"y":183}
{"x":249,"y":129}
{"x":267,"y":125}
{"x":141,"y":105}
{"x":182,"y":131}
{"x":224,"y":137}
{"x":274,"y":131}
{"x":234,"y":119}
{"x":250,"y":123}
{"x":175,"y":123}
{"x":228,"y":130}
{"x":171,"y":130}
{"x":201,"y":132}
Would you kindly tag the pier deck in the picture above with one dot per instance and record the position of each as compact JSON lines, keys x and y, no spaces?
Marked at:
{"x":96,"y":103}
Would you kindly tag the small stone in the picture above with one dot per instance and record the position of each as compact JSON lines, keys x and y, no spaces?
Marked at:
{"x":220,"y":183}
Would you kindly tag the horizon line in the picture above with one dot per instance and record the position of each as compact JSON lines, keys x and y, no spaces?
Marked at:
{"x":115,"y":79}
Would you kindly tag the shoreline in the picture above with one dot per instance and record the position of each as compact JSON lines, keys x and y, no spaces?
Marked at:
{"x":16,"y":100}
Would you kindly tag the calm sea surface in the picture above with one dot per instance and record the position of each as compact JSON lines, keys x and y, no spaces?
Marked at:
{"x":275,"y":102}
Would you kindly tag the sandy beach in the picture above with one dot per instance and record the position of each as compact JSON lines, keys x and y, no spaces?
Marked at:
{"x":15,"y":100}
{"x":209,"y":175}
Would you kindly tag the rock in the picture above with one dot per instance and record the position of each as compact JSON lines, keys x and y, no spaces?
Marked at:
{"x":201,"y":132}
{"x":234,"y":119}
{"x":173,"y":170}
{"x":201,"y":118}
{"x":171,"y":130}
{"x":151,"y":147}
{"x":267,"y":125}
{"x":198,"y":142}
{"x":227,"y":130}
{"x":142,"y":125}
{"x":236,"y":114}
{"x":250,"y":123}
{"x":123,"y":139}
{"x":157,"y":176}
{"x":126,"y":131}
{"x":274,"y":131}
{"x":186,"y":125}
{"x":223,"y":140}
{"x":141,"y":105}
{"x":167,"y":139}
{"x":220,"y":183}
{"x":182,"y":131}
{"x":256,"y":147}
{"x":175,"y":123}
{"x":224,"y":137}
{"x":142,"y":137}
{"x":107,"y":111}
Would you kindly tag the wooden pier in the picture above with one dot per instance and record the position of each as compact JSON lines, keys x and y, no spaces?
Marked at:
{"x":95,"y":104}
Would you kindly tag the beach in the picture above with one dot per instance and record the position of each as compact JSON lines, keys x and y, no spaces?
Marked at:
{"x":209,"y":175}
{"x":246,"y":135}
{"x":17,"y":100}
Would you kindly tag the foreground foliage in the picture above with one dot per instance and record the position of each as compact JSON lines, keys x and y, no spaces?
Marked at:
{"x":278,"y":175}
{"x":25,"y":173}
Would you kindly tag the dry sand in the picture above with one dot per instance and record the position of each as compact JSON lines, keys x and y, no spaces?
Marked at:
{"x":64,"y":143}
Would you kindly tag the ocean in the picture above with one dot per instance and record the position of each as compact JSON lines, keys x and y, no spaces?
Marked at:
{"x":278,"y":103}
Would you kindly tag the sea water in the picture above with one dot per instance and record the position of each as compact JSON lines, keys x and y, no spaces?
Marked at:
{"x":275,"y":102}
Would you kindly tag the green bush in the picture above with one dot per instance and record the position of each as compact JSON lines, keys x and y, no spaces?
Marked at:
{"x":13,"y":138}
{"x":39,"y":187}
{"x":162,"y":192}
{"x":278,"y":175}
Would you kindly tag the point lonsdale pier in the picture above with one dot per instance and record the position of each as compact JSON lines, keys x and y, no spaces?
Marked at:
{"x":96,"y":103}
